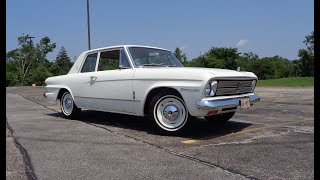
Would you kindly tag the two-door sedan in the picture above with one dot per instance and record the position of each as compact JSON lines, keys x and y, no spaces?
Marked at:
{"x":150,"y":81}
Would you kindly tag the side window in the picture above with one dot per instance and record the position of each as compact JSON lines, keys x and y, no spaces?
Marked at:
{"x":90,"y":63}
{"x":109,"y":60}
{"x":123,"y":59}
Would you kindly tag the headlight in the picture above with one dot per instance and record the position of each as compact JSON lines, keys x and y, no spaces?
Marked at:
{"x":253,"y":85}
{"x":211,"y":88}
{"x":207,"y":89}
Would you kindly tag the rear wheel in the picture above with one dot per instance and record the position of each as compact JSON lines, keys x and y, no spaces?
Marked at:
{"x":168,"y":113}
{"x":220,"y":118}
{"x":68,"y":108}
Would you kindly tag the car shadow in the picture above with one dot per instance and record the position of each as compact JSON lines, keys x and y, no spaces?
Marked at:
{"x":198,"y":128}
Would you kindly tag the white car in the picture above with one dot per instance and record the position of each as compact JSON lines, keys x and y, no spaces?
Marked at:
{"x":150,"y":81}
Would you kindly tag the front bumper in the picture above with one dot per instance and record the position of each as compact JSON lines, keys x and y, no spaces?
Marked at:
{"x":218,"y":104}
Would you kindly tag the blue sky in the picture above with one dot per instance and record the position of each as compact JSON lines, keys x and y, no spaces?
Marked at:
{"x":267,"y":28}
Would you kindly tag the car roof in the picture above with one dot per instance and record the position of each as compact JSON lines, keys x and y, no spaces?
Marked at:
{"x":120,"y":46}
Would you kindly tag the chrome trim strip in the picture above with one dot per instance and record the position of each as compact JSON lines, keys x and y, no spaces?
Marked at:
{"x":104,"y":110}
{"x":146,"y":80}
{"x":107,"y":99}
{"x":221,"y":103}
{"x":158,"y":79}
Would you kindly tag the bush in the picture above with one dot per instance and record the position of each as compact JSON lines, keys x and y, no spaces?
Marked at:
{"x":11,"y":79}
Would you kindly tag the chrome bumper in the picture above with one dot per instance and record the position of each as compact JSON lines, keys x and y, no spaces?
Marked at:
{"x":224,"y":103}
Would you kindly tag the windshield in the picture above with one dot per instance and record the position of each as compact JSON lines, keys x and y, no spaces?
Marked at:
{"x":143,"y":57}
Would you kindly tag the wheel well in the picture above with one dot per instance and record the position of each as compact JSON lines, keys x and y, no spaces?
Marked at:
{"x":62,"y":90}
{"x":157,"y":90}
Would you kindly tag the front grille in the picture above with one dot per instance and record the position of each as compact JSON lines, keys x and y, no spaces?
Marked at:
{"x":233,"y":87}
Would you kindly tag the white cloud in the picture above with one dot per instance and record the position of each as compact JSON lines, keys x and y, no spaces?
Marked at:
{"x":242,"y":42}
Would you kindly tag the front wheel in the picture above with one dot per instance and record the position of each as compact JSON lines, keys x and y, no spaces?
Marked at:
{"x":168,"y":113}
{"x":68,"y":108}
{"x":220,"y":118}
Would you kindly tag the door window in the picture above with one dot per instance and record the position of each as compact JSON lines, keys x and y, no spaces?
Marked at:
{"x":90,"y":63}
{"x":109,"y":60}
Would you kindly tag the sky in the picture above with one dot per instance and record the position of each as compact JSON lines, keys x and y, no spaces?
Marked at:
{"x":266,"y":28}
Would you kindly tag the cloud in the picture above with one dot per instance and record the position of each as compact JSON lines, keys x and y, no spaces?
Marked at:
{"x":242,"y":42}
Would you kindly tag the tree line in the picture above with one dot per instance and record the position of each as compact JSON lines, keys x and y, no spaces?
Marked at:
{"x":265,"y":68}
{"x":27,"y":64}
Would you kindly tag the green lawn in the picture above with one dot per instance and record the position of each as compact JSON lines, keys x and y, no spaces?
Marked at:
{"x":294,"y":81}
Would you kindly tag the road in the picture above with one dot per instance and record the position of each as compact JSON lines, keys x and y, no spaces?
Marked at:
{"x":274,"y":139}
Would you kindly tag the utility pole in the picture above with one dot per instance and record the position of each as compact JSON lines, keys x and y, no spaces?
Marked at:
{"x":88,"y":21}
{"x":30,"y":39}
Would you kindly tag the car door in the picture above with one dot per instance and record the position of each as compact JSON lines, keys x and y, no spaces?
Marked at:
{"x":80,"y":83}
{"x":111,"y":85}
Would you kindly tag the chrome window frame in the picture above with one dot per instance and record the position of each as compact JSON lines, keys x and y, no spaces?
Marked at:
{"x":84,"y":60}
{"x":128,"y":52}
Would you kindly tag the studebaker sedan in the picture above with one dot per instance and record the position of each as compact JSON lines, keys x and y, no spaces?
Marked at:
{"x":150,"y":81}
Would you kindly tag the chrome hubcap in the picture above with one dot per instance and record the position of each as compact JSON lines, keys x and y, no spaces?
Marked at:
{"x":171,"y":112}
{"x":68,"y":103}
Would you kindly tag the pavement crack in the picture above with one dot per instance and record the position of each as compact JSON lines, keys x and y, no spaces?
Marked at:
{"x":246,"y":141}
{"x":26,"y":158}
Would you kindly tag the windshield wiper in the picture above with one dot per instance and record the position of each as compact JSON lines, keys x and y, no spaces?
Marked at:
{"x":161,"y":64}
{"x":153,"y":64}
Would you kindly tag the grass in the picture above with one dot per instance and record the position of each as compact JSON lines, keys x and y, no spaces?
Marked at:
{"x":293,"y":81}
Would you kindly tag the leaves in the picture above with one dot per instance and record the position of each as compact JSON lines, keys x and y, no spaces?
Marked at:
{"x":27,"y":57}
{"x":63,"y":60}
{"x":309,"y":41}
{"x":179,"y":55}
{"x":306,"y":63}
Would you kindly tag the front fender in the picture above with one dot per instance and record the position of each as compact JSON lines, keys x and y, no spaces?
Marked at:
{"x":189,"y":90}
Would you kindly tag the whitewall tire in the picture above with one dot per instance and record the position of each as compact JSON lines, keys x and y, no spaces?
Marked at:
{"x":168,"y":113}
{"x":68,"y":108}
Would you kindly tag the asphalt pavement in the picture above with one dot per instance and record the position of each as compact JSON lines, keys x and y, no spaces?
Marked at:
{"x":274,"y":139}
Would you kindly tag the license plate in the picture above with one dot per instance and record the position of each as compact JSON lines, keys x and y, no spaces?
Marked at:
{"x":245,"y":103}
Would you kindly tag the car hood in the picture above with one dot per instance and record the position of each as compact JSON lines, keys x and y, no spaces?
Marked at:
{"x":193,"y":73}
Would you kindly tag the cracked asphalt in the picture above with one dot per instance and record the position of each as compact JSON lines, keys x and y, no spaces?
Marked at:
{"x":274,"y":139}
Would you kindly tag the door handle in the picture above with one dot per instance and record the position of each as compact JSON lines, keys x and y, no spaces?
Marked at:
{"x":93,"y":78}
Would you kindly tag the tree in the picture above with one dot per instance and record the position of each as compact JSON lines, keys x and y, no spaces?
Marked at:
{"x":227,"y":56}
{"x":11,"y":74}
{"x":63,"y":60}
{"x":309,"y":41}
{"x":263,"y":68}
{"x":245,"y":59}
{"x":250,"y":56}
{"x":39,"y":75}
{"x":307,"y":63}
{"x":307,"y":56}
{"x":27,"y":56}
{"x":179,"y":55}
{"x":212,"y":61}
{"x":296,"y":70}
{"x":196,"y":62}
